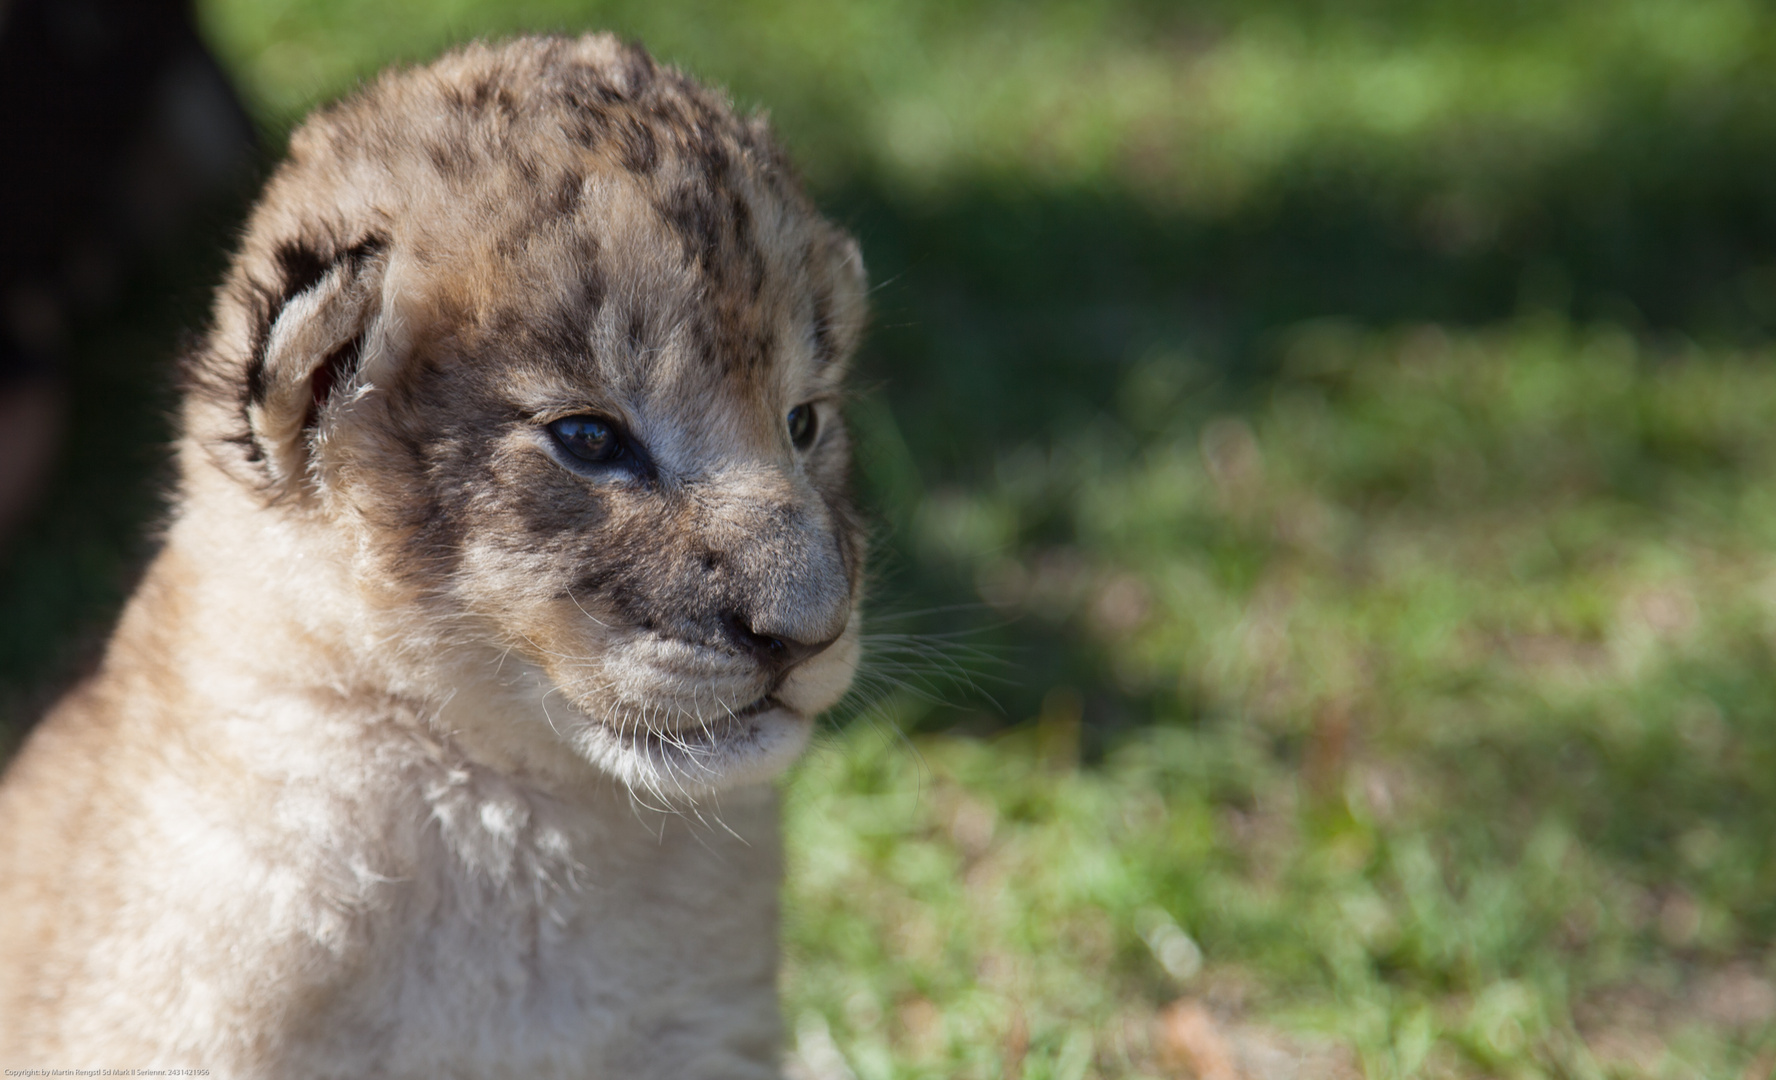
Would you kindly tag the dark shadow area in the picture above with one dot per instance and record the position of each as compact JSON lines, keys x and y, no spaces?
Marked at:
{"x":1001,"y":314}
{"x":128,"y":152}
{"x":1011,"y":317}
{"x":64,"y":575}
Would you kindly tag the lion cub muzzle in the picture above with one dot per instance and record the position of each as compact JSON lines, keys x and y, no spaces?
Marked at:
{"x":783,"y":591}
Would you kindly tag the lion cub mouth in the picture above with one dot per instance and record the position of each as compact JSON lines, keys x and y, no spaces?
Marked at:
{"x":689,"y":732}
{"x":762,"y":705}
{"x":753,"y":742}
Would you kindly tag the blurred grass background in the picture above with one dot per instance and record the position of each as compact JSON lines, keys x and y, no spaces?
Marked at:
{"x":1324,"y":458}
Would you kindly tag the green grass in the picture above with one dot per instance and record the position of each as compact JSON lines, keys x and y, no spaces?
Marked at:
{"x":1201,"y":104}
{"x":1453,"y":654}
{"x":1329,"y":453}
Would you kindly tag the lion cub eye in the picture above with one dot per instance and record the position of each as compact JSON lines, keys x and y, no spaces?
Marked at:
{"x":588,"y":438}
{"x":803,"y":426}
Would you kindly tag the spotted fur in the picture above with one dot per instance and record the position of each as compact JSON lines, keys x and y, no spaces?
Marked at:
{"x":427,"y":748}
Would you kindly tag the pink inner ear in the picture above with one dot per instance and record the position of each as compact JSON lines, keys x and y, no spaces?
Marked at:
{"x":327,"y":375}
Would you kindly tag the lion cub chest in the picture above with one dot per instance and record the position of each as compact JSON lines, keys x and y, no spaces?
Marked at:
{"x":525,"y":937}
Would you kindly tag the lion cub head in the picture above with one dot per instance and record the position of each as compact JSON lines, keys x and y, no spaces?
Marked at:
{"x":545,"y":346}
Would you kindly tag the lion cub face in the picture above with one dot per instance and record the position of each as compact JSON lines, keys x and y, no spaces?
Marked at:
{"x":547,"y":345}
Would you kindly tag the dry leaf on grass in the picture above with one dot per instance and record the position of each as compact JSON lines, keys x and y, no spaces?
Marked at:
{"x":1191,"y":1043}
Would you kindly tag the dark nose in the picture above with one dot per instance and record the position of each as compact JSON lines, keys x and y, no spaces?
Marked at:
{"x":779,"y":654}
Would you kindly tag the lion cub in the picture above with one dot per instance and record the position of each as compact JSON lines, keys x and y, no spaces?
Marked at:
{"x":510,"y":560}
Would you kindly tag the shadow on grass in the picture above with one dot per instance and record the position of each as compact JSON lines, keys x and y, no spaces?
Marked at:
{"x":1013,"y":316}
{"x":1005,"y":313}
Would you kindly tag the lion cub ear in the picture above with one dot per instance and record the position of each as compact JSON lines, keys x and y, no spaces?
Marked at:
{"x":315,"y":333}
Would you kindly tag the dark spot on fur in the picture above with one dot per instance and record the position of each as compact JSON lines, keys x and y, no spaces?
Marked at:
{"x":451,"y":161}
{"x":823,"y":329}
{"x":255,"y":383}
{"x":755,"y":354}
{"x":584,"y":89}
{"x":596,"y":582}
{"x":707,"y":150}
{"x":584,"y":130}
{"x":568,"y":193}
{"x":740,"y":218}
{"x":303,"y":268}
{"x":483,"y":96}
{"x":593,"y":289}
{"x":567,"y":331}
{"x":638,"y":69}
{"x":593,"y":284}
{"x":366,"y":249}
{"x":253,"y":455}
{"x":755,"y":272}
{"x":694,"y":215}
{"x":616,"y":586}
{"x":637,"y":149}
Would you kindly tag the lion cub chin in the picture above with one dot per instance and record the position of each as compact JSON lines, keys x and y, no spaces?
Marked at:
{"x":510,"y":559}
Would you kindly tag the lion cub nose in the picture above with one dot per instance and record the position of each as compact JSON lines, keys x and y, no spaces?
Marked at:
{"x":772,"y":651}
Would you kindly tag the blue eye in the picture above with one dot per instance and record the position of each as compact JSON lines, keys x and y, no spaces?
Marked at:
{"x":588,"y":438}
{"x":802,"y":426}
